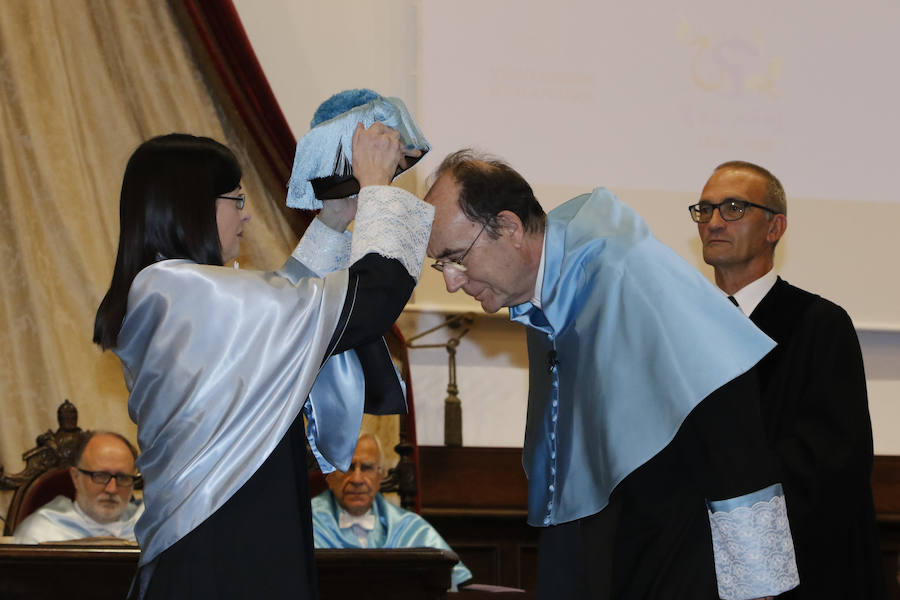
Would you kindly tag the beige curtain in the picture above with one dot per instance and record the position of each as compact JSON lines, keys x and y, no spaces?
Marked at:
{"x":82,"y":83}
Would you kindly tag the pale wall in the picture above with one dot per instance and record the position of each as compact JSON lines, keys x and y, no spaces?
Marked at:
{"x":826,"y":249}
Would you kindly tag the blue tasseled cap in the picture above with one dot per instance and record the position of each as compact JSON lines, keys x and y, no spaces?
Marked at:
{"x":324,"y":157}
{"x":341,"y":103}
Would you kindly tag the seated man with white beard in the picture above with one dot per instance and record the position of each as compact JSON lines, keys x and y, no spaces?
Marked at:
{"x":103,"y":480}
{"x":353,"y":514}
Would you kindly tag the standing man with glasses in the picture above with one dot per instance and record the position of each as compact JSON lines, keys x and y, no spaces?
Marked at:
{"x":104,"y":477}
{"x":814,"y":402}
{"x":648,"y":470}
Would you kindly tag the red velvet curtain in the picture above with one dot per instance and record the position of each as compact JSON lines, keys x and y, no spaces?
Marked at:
{"x":219,"y":28}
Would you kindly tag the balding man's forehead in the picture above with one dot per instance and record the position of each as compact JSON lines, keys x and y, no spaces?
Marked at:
{"x":107,"y":439}
{"x":451,"y":230}
{"x":445,"y":190}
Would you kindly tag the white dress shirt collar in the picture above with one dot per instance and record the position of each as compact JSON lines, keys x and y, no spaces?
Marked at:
{"x":749,"y":296}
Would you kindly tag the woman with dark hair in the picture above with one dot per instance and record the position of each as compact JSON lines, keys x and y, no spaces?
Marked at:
{"x":161,"y":215}
{"x":220,"y":362}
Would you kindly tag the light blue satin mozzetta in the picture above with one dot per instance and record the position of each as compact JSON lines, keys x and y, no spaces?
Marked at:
{"x":394,"y":528}
{"x":640,"y":338}
{"x":219,"y":363}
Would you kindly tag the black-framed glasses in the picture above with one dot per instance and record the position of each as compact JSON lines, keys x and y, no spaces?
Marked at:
{"x":103,"y":477}
{"x":731,"y":209}
{"x":239,"y":200}
{"x":456,"y":263}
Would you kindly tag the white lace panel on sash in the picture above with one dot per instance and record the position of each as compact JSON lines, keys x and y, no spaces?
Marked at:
{"x":393,"y":223}
{"x":322,"y":249}
{"x":752,"y":545}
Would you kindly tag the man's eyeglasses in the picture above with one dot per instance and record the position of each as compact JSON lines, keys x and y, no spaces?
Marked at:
{"x":456,"y":263}
{"x":729,"y":210}
{"x":239,"y":200}
{"x":103,"y":477}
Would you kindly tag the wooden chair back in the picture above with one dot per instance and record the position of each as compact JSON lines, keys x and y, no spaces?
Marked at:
{"x":46,"y":474}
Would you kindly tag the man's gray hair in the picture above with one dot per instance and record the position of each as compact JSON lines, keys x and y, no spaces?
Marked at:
{"x":775,"y":196}
{"x":377,"y":441}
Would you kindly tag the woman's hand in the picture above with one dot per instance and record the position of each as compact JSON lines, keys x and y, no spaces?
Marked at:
{"x":376,"y":153}
{"x":338,"y":213}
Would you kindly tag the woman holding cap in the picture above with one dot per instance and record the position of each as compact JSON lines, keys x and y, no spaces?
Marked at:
{"x":220,"y":362}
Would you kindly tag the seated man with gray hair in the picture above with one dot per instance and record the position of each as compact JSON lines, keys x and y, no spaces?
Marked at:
{"x":103,"y":477}
{"x":353,"y":514}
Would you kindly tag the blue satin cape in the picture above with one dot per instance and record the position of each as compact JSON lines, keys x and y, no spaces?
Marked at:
{"x":630,"y":339}
{"x":219,"y":362}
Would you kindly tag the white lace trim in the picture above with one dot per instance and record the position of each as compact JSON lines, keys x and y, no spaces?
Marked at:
{"x":322,"y":249}
{"x":393,"y":223}
{"x":754,"y":551}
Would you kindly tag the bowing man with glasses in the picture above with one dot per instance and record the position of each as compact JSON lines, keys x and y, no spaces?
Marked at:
{"x":104,"y":477}
{"x":649,"y":475}
{"x":814,"y":402}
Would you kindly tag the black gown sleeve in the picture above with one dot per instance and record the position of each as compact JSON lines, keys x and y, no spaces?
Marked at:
{"x":816,"y":411}
{"x":656,"y":529}
{"x":725,"y":443}
{"x":828,"y":438}
{"x":377,"y":291}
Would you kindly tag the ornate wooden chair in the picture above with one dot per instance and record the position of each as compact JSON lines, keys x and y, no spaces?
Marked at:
{"x":46,"y":473}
